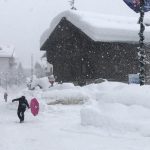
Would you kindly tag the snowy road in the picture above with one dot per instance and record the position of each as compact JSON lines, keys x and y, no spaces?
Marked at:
{"x":59,"y":129}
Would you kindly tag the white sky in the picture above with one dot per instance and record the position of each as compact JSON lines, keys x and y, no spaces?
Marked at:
{"x":22,"y":22}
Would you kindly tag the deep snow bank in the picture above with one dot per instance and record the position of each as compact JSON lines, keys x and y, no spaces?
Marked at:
{"x":65,"y":93}
{"x":115,"y":92}
{"x":104,"y":92}
{"x":118,"y":107}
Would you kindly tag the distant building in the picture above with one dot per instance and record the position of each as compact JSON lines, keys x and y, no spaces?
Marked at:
{"x":7,"y":61}
{"x":6,"y":57}
{"x":86,"y":46}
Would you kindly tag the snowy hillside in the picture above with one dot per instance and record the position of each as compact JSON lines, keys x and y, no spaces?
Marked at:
{"x":113,"y":116}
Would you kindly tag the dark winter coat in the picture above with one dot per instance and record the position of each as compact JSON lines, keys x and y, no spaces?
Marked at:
{"x":23,"y":103}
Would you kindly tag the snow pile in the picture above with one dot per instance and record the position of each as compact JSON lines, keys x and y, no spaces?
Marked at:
{"x":43,"y":82}
{"x":100,"y":27}
{"x":117,"y":92}
{"x":119,"y":107}
{"x":118,"y":117}
{"x":104,"y":92}
{"x":65,"y":93}
{"x":38,"y":83}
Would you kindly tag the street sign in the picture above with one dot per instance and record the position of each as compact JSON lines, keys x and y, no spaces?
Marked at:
{"x":135,"y":5}
{"x":133,"y":79}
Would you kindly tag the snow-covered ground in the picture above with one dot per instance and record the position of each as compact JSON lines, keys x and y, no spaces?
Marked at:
{"x":112,"y":116}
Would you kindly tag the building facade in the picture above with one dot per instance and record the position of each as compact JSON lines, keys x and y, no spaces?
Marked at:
{"x":7,"y":62}
{"x":77,"y":57}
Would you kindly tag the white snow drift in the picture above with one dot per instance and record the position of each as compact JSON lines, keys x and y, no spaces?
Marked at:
{"x":119,"y":107}
{"x":115,"y":116}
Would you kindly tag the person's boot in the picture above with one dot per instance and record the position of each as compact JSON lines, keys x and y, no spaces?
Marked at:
{"x":21,"y":121}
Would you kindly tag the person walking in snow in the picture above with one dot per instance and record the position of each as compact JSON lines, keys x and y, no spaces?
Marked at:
{"x":23,"y":103}
{"x":5,"y":96}
{"x":51,"y":80}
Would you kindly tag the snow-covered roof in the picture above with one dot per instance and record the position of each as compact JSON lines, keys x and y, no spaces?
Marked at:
{"x":101,"y":27}
{"x":6,"y":51}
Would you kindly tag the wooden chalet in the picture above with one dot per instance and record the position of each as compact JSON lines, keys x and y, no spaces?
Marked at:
{"x":84,"y":46}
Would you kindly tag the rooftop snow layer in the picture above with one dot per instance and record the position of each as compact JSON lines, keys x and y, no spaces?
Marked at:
{"x":6,"y":51}
{"x":100,"y":27}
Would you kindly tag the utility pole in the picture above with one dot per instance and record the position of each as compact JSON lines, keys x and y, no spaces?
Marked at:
{"x":141,"y":50}
{"x":140,"y":6}
{"x":72,"y":4}
{"x":31,"y":67}
{"x":6,"y":80}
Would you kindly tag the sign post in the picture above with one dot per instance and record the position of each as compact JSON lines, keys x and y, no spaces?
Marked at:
{"x":141,"y":53}
{"x":133,"y":79}
{"x":140,"y":6}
